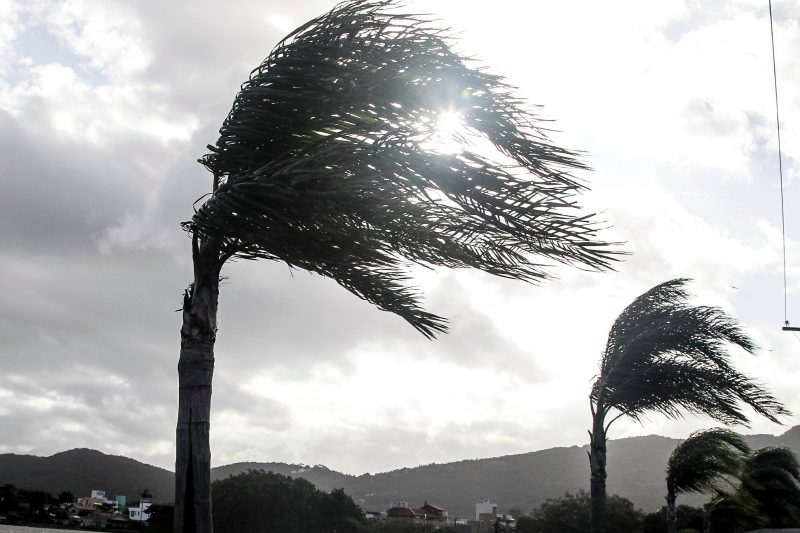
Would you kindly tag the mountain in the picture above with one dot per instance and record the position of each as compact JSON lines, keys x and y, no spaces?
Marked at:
{"x":635,"y":467}
{"x":635,"y":471}
{"x":322,"y":477}
{"x":81,"y":470}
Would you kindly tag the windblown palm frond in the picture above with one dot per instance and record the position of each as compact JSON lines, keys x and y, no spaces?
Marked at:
{"x":772,"y":469}
{"x":326,"y":162}
{"x":666,"y":356}
{"x":771,"y":476}
{"x":697,"y":463}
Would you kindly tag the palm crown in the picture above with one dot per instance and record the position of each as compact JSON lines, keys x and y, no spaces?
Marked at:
{"x":697,"y":463}
{"x":665,"y":355}
{"x":773,"y":474}
{"x":325,"y":162}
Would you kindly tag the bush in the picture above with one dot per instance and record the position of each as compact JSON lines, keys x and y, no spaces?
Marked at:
{"x":259,"y":501}
{"x":573,"y":513}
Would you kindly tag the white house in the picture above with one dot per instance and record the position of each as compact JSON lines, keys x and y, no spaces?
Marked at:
{"x":139,"y":513}
{"x":485,"y":508}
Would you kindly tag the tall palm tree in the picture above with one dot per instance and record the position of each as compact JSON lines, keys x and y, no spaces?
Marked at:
{"x":666,"y":356}
{"x":771,"y":477}
{"x":699,"y":462}
{"x":329,"y":162}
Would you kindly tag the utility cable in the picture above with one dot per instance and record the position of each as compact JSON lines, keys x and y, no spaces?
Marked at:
{"x":780,"y":164}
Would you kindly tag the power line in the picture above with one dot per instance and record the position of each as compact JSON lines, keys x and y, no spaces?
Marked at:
{"x":780,"y":171}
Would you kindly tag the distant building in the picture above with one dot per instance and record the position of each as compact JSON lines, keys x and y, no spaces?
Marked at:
{"x":427,"y":514}
{"x":433,"y":513}
{"x":79,"y":509}
{"x":139,"y":513}
{"x":485,"y":508}
{"x":405,"y":513}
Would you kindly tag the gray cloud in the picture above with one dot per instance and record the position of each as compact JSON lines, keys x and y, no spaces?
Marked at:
{"x":93,"y":261}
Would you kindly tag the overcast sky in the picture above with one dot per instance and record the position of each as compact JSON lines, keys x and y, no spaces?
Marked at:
{"x":105,"y":106}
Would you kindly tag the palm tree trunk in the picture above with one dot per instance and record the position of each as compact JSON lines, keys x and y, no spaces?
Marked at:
{"x":597,"y":464}
{"x":195,"y":370}
{"x":672,"y":512}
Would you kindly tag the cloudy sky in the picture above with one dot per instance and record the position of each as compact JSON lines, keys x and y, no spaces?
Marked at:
{"x":105,"y":105}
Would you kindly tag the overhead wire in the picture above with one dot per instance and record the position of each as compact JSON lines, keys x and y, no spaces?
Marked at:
{"x":780,"y":165}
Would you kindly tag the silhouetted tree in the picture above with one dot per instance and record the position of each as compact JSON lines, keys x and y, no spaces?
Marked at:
{"x":666,"y":356}
{"x":689,"y":520}
{"x":259,"y":501}
{"x":327,"y":162}
{"x":700,"y":462}
{"x":771,"y":476}
{"x":162,"y":518}
{"x":572,"y":513}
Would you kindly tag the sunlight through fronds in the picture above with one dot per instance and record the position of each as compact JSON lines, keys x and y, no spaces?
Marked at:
{"x":323,"y":163}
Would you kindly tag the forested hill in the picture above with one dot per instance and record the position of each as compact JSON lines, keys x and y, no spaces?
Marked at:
{"x":635,"y":466}
{"x":81,"y":470}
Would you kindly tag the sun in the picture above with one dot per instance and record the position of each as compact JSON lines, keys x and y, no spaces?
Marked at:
{"x":448,"y":133}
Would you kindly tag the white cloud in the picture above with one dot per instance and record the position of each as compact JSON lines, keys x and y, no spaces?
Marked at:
{"x":107,"y":33}
{"x":673,"y":101}
{"x":9,"y":29}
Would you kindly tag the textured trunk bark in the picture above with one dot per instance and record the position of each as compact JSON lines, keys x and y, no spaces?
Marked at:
{"x":195,"y":370}
{"x":672,"y":512}
{"x":597,"y":463}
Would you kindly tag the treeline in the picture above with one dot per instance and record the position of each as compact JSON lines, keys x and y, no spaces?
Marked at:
{"x":258,"y":501}
{"x":22,"y":506}
{"x":572,"y":512}
{"x":761,"y":491}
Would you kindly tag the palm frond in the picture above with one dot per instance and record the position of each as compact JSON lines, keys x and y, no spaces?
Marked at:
{"x":771,"y":468}
{"x":326,"y":162}
{"x":771,"y":476}
{"x":699,"y":462}
{"x":666,"y":356}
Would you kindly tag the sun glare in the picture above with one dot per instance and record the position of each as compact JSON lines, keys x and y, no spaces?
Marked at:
{"x":448,"y":133}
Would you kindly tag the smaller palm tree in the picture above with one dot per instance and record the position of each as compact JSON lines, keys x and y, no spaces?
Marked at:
{"x":771,"y":476}
{"x":666,"y":356}
{"x":700,"y":462}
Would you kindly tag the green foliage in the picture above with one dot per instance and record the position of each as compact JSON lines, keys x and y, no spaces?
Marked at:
{"x":705,"y":457}
{"x":259,"y":501}
{"x":326,"y":162}
{"x":734,"y":513}
{"x":22,"y":506}
{"x":526,"y":524}
{"x":161,"y":518}
{"x":771,"y":476}
{"x":767,"y":496}
{"x":689,"y":519}
{"x":572,"y":513}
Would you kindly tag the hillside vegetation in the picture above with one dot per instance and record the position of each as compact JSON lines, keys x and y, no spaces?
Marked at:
{"x":523,"y":481}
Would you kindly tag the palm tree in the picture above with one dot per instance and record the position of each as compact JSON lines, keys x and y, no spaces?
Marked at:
{"x":666,"y":356}
{"x":770,"y":476}
{"x":329,"y":162}
{"x":697,"y":463}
